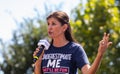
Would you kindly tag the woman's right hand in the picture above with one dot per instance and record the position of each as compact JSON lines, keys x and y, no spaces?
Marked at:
{"x":40,"y":57}
{"x":37,"y":64}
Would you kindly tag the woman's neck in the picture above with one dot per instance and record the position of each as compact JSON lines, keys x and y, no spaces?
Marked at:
{"x":60,"y":42}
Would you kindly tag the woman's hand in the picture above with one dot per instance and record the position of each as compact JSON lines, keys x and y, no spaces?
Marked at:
{"x":104,"y":43}
{"x":37,"y":64}
{"x":40,"y":57}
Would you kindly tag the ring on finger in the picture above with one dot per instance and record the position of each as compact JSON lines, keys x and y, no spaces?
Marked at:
{"x":103,"y":42}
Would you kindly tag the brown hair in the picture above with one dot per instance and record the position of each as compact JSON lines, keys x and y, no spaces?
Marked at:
{"x":63,"y":18}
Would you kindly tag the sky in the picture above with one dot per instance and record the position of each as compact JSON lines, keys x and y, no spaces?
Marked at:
{"x":19,"y":9}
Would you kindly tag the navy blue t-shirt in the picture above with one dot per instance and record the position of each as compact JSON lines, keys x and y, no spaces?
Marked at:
{"x":64,"y":60}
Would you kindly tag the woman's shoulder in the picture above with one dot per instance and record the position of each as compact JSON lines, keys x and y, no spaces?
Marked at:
{"x":78,"y":48}
{"x":75,"y":44}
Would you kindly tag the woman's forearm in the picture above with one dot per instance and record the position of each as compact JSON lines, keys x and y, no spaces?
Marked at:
{"x":37,"y":69}
{"x":95,"y":65}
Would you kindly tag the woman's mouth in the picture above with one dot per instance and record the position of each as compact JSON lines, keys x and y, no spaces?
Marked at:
{"x":49,"y":33}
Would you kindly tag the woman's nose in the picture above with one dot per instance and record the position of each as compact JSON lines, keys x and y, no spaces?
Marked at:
{"x":49,"y":27}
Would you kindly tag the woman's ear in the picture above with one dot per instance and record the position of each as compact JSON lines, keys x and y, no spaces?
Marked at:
{"x":65,"y":26}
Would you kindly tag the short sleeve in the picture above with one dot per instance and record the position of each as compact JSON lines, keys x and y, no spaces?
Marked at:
{"x":80,"y":57}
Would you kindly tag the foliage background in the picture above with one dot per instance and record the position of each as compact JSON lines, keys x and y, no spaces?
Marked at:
{"x":88,"y":23}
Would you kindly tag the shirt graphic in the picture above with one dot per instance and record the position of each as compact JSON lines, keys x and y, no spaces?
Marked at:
{"x":54,"y":63}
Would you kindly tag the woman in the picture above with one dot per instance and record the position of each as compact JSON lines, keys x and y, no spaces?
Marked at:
{"x":64,"y":55}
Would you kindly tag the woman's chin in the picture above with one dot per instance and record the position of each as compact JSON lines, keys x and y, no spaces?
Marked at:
{"x":51,"y":36}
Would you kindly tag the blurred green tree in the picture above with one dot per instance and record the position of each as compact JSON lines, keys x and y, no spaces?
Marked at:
{"x":90,"y":22}
{"x":24,"y":43}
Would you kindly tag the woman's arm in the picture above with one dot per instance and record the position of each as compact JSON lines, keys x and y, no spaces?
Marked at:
{"x":103,"y":45}
{"x":37,"y":65}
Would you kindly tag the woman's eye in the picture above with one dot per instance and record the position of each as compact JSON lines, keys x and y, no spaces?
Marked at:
{"x":53,"y":24}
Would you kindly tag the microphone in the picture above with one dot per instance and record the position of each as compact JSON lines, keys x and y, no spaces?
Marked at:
{"x":42,"y":45}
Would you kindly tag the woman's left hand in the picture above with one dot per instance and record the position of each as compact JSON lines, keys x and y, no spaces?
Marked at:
{"x":104,"y":43}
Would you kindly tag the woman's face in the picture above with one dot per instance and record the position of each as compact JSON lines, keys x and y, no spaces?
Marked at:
{"x":55,"y":29}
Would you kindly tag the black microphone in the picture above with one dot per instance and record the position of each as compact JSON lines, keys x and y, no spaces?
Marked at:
{"x":42,"y":45}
